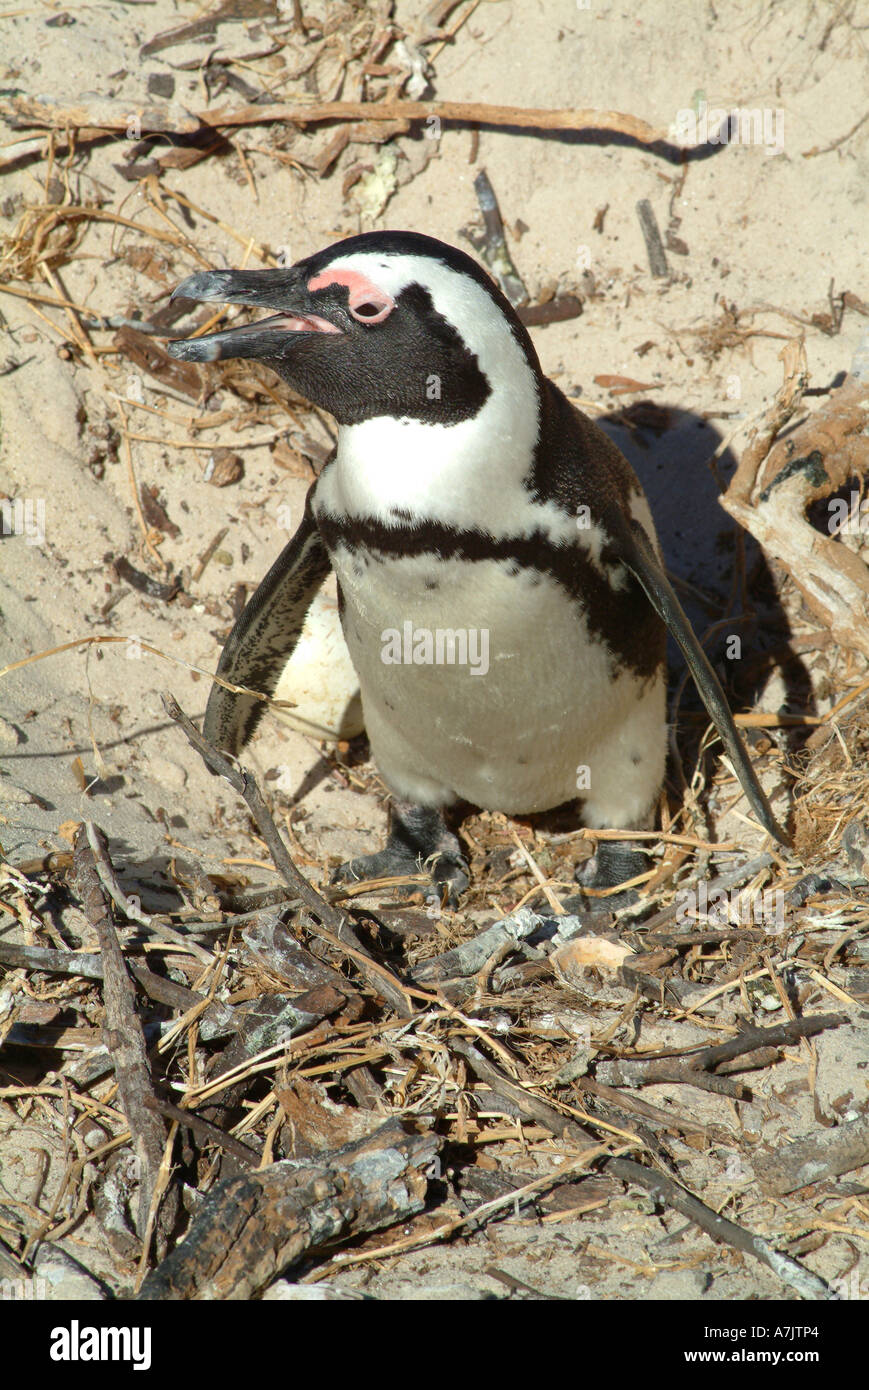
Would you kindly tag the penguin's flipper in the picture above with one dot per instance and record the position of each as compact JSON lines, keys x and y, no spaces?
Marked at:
{"x":639,"y":555}
{"x":265,"y":636}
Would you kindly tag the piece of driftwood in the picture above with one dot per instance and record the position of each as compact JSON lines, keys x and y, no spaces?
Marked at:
{"x":215,"y":1021}
{"x":254,"y":1227}
{"x":697,"y":1067}
{"x":335,"y":927}
{"x":123,"y":1033}
{"x":172,"y":119}
{"x":779,"y":479}
{"x":659,"y":1185}
{"x":272,"y":946}
{"x":825,"y":1154}
{"x":471,"y":956}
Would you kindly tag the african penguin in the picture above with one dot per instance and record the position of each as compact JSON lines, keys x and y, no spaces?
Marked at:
{"x":501,"y":590}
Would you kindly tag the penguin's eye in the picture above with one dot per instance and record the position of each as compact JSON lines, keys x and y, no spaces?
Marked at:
{"x":369,"y":308}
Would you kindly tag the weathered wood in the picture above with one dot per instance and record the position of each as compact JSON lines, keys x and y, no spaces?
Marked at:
{"x":824,"y":1154}
{"x":253,"y":1227}
{"x":778,"y":479}
{"x":122,"y":1033}
{"x":335,"y":926}
{"x":696,"y":1068}
{"x":174,"y":119}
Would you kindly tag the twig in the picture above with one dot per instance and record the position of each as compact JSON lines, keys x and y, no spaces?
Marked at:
{"x":115,"y":116}
{"x":624,"y":1100}
{"x":207,"y":554}
{"x":660,"y":1186}
{"x":825,"y":149}
{"x":730,"y":879}
{"x":672,"y":1194}
{"x":89,"y":966}
{"x":342,"y":933}
{"x":205,"y":1130}
{"x":154,"y":651}
{"x":818,"y":1156}
{"x":529,"y":1105}
{"x":652,"y":237}
{"x":694,"y":1071}
{"x":123,"y":1033}
{"x":471,"y":956}
{"x":130,"y":909}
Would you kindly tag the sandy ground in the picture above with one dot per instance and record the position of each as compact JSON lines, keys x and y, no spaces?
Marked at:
{"x":753,"y":225}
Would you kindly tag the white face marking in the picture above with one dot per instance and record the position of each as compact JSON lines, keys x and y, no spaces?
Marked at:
{"x":465,"y":475}
{"x":452,"y":473}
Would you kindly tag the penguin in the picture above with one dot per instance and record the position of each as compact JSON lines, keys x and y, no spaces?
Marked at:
{"x":500,"y":583}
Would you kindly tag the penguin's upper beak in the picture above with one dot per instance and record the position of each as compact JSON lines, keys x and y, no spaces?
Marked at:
{"x":301,"y":313}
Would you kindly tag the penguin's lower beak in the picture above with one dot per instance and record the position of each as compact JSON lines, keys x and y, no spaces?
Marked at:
{"x":284,"y":290}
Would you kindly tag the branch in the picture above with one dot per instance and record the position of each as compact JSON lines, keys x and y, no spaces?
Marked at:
{"x":335,"y":928}
{"x":173,"y":119}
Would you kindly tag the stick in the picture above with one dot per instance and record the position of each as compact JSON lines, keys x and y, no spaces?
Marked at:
{"x":652,"y":237}
{"x":822,"y":1155}
{"x":130,"y":909}
{"x":471,"y":956}
{"x":695,"y":1070}
{"x":88,"y":966}
{"x":254,"y":1226}
{"x":661,"y":1187}
{"x":335,"y":927}
{"x":672,"y":1194}
{"x":123,"y":1033}
{"x":205,"y":1130}
{"x":116,"y":116}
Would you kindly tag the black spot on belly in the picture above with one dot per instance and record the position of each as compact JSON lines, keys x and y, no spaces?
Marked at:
{"x":636,"y":759}
{"x":432,"y":584}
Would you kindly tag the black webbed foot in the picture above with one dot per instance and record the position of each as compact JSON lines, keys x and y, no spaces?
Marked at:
{"x":418,"y":840}
{"x":612,"y":863}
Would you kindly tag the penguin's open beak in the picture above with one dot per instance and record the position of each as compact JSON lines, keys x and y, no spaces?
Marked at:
{"x":301,"y":313}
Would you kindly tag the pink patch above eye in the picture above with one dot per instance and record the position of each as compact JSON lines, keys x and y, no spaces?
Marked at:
{"x":363,"y":294}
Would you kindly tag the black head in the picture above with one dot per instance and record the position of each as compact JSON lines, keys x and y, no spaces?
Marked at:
{"x":386,"y":323}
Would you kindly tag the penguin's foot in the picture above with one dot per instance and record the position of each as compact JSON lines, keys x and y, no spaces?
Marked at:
{"x":611,"y":864}
{"x":418,"y":840}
